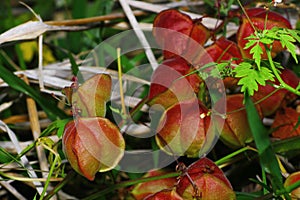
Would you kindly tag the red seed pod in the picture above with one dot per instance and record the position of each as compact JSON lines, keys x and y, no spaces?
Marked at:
{"x":285,"y":123}
{"x":164,"y":195}
{"x":205,"y":181}
{"x":183,"y":128}
{"x":89,"y":99}
{"x":174,"y":31}
{"x":171,"y":29}
{"x":270,"y":104}
{"x":92,"y":145}
{"x":293,"y":178}
{"x":236,"y":131}
{"x":143,"y":190}
{"x":258,"y":17}
{"x":221,"y":50}
{"x":168,"y":86}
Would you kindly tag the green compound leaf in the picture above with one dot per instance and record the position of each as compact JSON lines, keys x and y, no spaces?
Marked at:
{"x":252,"y":40}
{"x":251,"y":77}
{"x":271,"y":34}
{"x":257,"y":52}
{"x":294,"y":33}
{"x":287,"y":41}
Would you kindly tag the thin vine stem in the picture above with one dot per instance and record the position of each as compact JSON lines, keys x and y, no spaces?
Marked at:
{"x":282,"y":83}
{"x":49,"y":177}
{"x":239,"y":151}
{"x":130,"y":183}
{"x":289,"y":189}
{"x":247,"y":16}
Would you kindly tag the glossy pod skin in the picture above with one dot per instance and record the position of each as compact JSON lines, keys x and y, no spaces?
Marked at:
{"x":236,"y":131}
{"x":258,"y":17}
{"x":271,"y":103}
{"x":92,"y":145}
{"x":293,"y":178}
{"x":178,"y":34}
{"x":149,"y":189}
{"x":183,"y":128}
{"x":210,"y":181}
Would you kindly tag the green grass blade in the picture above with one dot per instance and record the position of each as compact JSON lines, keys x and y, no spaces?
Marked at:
{"x":266,"y":153}
{"x":5,"y":157}
{"x":287,"y":145}
{"x":16,"y":83}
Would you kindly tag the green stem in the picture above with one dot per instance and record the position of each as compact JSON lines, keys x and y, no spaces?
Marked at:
{"x":290,"y":188}
{"x":264,"y":180}
{"x":245,"y":13}
{"x":226,"y":158}
{"x":129,"y":183}
{"x":49,"y":177}
{"x":256,"y":102}
{"x":282,"y":83}
{"x":138,"y":106}
{"x":58,"y":187}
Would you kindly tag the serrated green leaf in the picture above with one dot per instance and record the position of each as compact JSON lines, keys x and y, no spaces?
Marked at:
{"x":272,"y":33}
{"x":267,"y":74}
{"x":257,"y":52}
{"x":250,"y":43}
{"x":248,"y":85}
{"x":287,"y":41}
{"x":266,"y":40}
{"x":294,"y":33}
{"x":250,"y":77}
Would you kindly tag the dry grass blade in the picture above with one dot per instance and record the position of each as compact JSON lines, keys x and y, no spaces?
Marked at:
{"x":32,"y":30}
{"x":135,"y":25}
{"x":24,"y":160}
{"x":36,"y":131}
{"x":9,"y":146}
{"x":91,"y":20}
{"x":11,"y":189}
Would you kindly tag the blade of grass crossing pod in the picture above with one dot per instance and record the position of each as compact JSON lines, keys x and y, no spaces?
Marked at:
{"x":16,"y":83}
{"x":75,"y":68}
{"x":287,"y":145}
{"x":266,"y":153}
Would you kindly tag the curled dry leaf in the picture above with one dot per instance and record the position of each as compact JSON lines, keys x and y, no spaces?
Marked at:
{"x":31,"y":30}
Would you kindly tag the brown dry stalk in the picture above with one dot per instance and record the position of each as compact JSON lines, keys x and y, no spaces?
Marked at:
{"x":73,"y":22}
{"x":22,"y":118}
{"x":36,"y":131}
